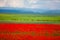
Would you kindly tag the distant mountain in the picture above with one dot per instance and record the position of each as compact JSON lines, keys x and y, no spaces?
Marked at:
{"x":16,"y":11}
{"x":28,"y":10}
{"x":21,"y":10}
{"x":52,"y":12}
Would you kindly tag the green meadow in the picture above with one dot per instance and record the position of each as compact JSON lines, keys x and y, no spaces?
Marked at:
{"x":28,"y":18}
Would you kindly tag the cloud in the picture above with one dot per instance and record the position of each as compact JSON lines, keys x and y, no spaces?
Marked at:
{"x":40,"y":4}
{"x":47,"y":4}
{"x":12,"y":3}
{"x":2,"y":3}
{"x":16,"y":3}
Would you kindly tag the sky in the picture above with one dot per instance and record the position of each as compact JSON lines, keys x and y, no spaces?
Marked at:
{"x":39,"y":4}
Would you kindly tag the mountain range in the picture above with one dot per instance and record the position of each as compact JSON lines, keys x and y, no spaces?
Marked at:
{"x":31,"y":11}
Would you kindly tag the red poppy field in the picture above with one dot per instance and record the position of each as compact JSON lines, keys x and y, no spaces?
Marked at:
{"x":12,"y":31}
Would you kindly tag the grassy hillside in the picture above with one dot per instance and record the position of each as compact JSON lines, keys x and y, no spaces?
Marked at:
{"x":29,"y":18}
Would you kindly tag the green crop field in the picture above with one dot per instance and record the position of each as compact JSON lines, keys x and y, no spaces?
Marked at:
{"x":28,"y":18}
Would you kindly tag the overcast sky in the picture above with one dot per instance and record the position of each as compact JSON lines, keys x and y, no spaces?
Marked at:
{"x":41,"y":4}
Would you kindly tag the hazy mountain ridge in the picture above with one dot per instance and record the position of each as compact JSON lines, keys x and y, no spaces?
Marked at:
{"x":28,"y":10}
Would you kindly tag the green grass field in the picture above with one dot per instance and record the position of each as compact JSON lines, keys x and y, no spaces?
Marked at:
{"x":28,"y":18}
